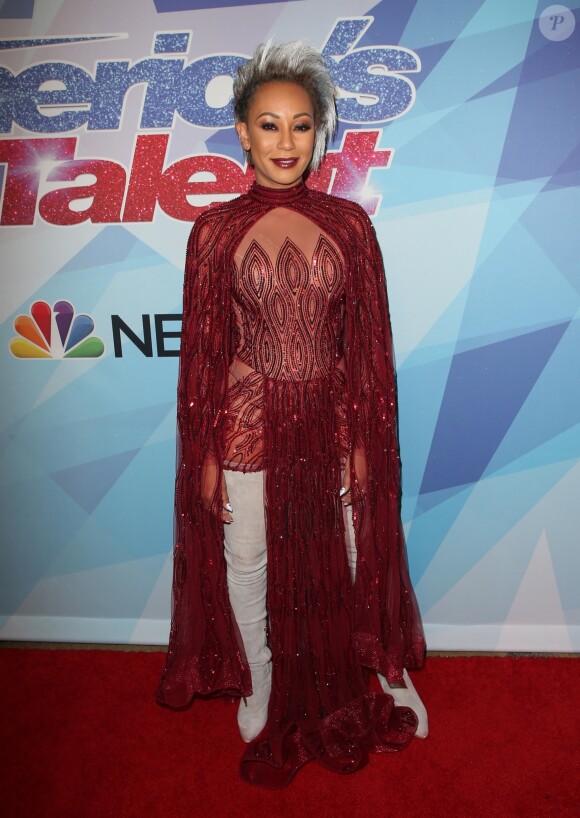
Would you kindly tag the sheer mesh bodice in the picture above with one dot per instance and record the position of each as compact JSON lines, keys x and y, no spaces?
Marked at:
{"x":287,"y":296}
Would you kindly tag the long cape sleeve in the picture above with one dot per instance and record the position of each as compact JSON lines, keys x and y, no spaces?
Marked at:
{"x":205,"y":654}
{"x":387,"y":624}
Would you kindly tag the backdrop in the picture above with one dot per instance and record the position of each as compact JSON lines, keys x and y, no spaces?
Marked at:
{"x":459,"y":133}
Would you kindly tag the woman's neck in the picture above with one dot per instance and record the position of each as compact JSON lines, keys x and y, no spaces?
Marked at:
{"x":263,"y":193}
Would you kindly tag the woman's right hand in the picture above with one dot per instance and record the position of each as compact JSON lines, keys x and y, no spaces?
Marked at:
{"x":209,"y":475}
{"x":227,"y":509}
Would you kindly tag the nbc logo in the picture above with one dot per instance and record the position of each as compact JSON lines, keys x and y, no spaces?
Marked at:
{"x":55,"y":332}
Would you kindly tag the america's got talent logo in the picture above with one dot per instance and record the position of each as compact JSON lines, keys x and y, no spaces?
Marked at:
{"x":62,"y":103}
{"x":55,"y":333}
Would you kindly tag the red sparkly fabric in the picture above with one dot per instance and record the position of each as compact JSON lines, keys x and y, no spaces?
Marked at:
{"x":286,"y":366}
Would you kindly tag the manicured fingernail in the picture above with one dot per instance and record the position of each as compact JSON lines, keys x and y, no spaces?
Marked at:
{"x":343,"y":491}
{"x":229,"y":507}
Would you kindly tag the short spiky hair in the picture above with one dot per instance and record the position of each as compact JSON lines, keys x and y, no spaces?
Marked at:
{"x":291,"y":62}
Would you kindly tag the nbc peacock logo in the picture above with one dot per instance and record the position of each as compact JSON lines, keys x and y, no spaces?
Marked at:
{"x":55,"y":332}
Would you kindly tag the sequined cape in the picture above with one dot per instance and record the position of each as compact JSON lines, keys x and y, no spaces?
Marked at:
{"x":325,"y":632}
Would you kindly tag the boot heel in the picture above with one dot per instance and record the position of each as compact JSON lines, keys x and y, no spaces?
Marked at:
{"x":253,"y":717}
{"x":408,"y":697}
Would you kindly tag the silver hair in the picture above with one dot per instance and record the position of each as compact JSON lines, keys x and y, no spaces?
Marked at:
{"x":291,"y":62}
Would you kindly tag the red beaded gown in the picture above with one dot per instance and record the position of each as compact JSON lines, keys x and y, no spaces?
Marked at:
{"x":286,"y":366}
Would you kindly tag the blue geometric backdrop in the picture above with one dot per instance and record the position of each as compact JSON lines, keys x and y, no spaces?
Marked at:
{"x":478,"y":225}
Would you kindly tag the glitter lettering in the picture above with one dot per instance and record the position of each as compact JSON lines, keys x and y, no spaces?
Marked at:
{"x":177,"y":189}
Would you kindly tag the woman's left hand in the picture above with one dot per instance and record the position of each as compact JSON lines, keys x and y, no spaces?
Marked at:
{"x":345,"y":493}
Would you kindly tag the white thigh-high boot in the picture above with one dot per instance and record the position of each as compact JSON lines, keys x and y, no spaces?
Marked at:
{"x":403,"y":696}
{"x":246,"y":557}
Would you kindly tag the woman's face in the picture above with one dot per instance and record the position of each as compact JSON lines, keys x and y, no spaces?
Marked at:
{"x":280,"y":133}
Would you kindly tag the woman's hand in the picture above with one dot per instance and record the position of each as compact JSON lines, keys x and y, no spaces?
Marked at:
{"x":209,"y":475}
{"x":361,"y":477}
{"x":345,"y":493}
{"x":227,"y":509}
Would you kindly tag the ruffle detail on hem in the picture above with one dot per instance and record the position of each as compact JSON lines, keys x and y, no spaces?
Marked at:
{"x":341,"y":742}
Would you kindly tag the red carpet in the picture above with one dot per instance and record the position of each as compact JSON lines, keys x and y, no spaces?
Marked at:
{"x":83,"y":737}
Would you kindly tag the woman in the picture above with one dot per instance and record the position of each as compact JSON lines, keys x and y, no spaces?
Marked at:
{"x":290,"y":569}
